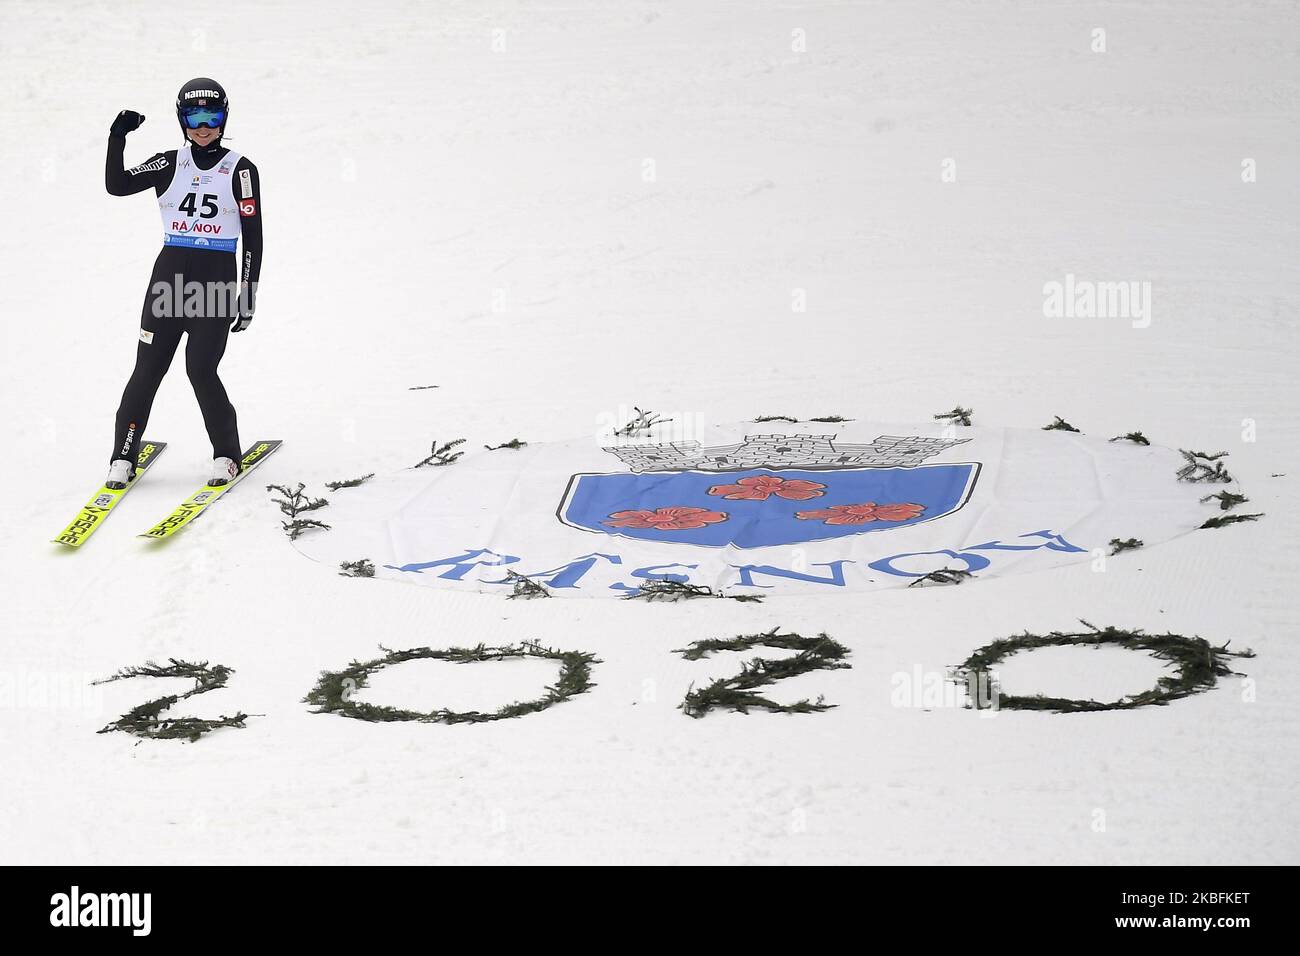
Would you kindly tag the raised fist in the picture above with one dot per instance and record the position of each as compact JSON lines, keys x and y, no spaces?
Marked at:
{"x":127,"y":121}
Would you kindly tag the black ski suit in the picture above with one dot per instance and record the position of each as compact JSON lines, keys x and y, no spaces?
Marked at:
{"x":207,"y":326}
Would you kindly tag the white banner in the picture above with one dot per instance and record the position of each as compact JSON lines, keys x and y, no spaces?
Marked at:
{"x":761,"y":509}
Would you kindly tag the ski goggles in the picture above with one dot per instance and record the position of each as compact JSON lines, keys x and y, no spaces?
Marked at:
{"x":195,"y":116}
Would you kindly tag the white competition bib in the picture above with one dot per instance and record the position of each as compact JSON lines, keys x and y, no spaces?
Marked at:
{"x":199,"y":208}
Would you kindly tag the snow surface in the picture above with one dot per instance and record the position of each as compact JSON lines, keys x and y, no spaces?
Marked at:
{"x":479,"y":219}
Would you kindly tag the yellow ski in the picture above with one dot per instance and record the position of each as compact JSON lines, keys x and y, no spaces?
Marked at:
{"x":197,"y":503}
{"x":102,"y":502}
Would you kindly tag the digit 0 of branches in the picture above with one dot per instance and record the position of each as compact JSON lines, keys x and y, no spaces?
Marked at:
{"x":1197,"y":667}
{"x":334,"y":691}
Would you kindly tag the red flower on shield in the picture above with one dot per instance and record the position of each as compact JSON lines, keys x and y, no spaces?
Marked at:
{"x":759,"y":487}
{"x":862,"y":514}
{"x":667,"y":519}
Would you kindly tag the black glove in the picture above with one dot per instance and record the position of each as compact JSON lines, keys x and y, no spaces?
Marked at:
{"x":127,"y":121}
{"x":247,"y":305}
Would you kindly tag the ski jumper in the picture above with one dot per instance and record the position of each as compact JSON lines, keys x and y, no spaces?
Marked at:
{"x":209,"y":198}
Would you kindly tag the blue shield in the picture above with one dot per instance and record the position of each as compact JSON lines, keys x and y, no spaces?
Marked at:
{"x":763,"y":507}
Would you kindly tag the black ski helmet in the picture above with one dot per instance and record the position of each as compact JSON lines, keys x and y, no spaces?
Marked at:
{"x":202,"y":91}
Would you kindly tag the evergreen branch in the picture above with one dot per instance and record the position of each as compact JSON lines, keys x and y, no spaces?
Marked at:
{"x":295,"y":528}
{"x":357,"y":569}
{"x":349,"y":482}
{"x":295,"y":503}
{"x":1197,"y":467}
{"x":525,"y":587}
{"x":943,"y":576}
{"x":1128,"y":544}
{"x":1060,"y":425}
{"x":642,"y":422}
{"x":441,"y":456}
{"x":662,"y":589}
{"x":958,"y":416}
{"x":1226,"y":499}
{"x":1219,"y":521}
